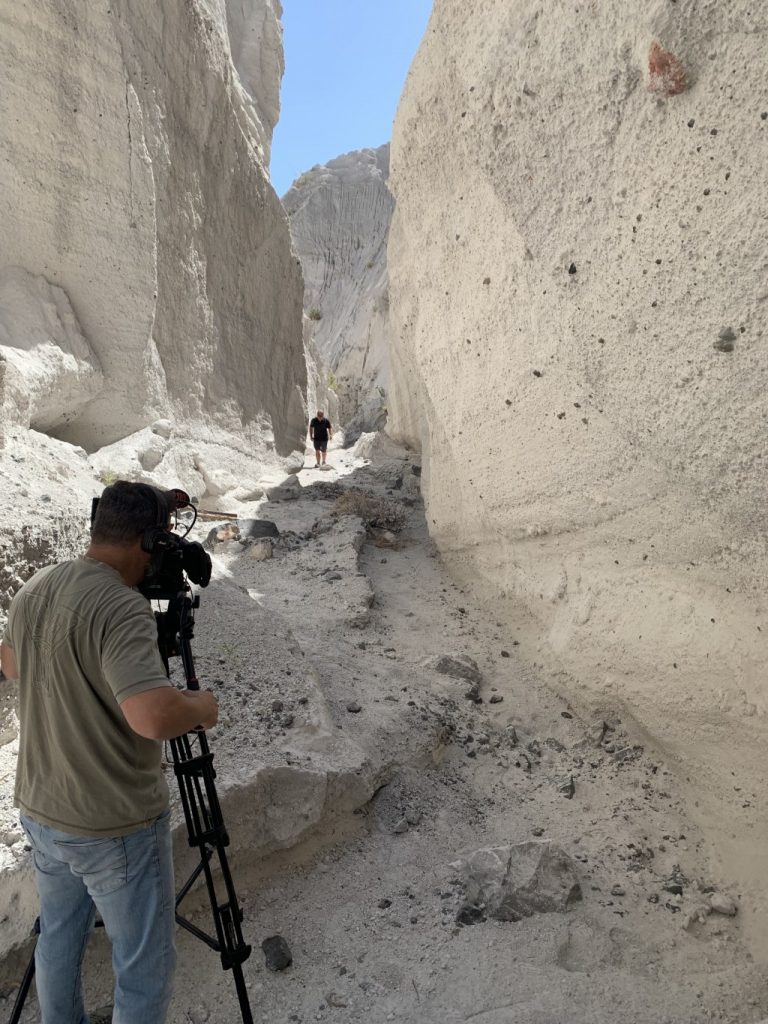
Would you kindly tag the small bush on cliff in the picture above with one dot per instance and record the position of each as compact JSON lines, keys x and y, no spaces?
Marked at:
{"x":315,"y":314}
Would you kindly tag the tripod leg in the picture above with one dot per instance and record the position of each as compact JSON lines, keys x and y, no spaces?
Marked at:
{"x":26,"y":982}
{"x":242,"y":994}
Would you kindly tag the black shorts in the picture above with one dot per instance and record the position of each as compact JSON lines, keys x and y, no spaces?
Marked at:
{"x":320,"y":446}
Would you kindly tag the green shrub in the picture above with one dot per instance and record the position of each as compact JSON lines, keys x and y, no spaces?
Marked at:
{"x":315,"y":314}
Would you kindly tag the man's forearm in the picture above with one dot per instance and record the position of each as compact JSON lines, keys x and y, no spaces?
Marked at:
{"x":165,"y":713}
{"x":8,"y":662}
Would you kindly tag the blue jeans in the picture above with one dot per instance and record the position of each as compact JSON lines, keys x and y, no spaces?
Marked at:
{"x":129,"y":880}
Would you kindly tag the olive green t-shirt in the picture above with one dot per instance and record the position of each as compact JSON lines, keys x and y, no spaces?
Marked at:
{"x":84,"y":641}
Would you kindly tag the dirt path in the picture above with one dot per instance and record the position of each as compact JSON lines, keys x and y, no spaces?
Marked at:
{"x":368,"y":904}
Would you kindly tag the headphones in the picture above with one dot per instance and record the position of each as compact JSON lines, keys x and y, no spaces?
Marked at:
{"x":157,"y":538}
{"x":154,"y":537}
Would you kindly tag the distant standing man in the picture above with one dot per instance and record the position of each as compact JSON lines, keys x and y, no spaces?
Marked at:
{"x":95,"y":705}
{"x":321,"y":432}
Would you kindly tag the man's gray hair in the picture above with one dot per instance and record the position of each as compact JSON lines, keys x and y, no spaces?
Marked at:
{"x":125,"y":511}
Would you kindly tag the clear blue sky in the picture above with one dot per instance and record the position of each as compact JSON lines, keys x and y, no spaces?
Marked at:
{"x":345,"y":66}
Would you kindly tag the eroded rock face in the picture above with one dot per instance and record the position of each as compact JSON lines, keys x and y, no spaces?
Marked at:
{"x":135,"y":185}
{"x":48,"y":371}
{"x":339,"y":216}
{"x":579,"y":320}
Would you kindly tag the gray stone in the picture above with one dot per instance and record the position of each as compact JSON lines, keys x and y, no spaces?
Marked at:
{"x":458,"y":666}
{"x":260,"y":550}
{"x":513,"y":882}
{"x":277,"y":953}
{"x":255,"y":528}
{"x":354,"y":708}
{"x":722,"y":904}
{"x":288,"y":490}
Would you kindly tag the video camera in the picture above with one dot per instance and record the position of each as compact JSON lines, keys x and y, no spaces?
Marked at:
{"x":173,"y":557}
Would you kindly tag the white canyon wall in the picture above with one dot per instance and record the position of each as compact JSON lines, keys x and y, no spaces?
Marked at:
{"x":339,"y":216}
{"x":139,"y":224}
{"x":579,"y":305}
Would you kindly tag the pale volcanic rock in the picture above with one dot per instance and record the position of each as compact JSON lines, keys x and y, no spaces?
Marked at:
{"x":339,"y":217}
{"x":47,"y":368}
{"x":136,"y":183}
{"x":578,"y":300}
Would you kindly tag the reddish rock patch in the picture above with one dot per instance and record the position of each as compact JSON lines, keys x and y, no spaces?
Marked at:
{"x":666,"y":74}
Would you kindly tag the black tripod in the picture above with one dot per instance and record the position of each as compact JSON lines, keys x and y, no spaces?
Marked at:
{"x":193,"y":766}
{"x":202,"y":812}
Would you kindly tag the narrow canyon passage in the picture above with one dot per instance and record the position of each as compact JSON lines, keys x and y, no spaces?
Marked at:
{"x":368,"y":902}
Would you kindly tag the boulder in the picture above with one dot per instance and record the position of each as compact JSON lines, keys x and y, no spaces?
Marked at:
{"x":288,"y":490}
{"x":251,"y":529}
{"x":458,"y":666}
{"x":513,"y":882}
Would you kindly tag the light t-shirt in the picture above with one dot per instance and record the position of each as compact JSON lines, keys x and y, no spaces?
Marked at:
{"x":84,"y":641}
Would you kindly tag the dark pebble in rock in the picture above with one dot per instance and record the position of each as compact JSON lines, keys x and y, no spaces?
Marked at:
{"x":505,"y":654}
{"x":277,"y":705}
{"x":384,"y":904}
{"x":469,"y":914}
{"x":354,"y":708}
{"x":538,"y":831}
{"x":554,"y":744}
{"x":288,"y":721}
{"x":566,"y":714}
{"x":568,"y":788}
{"x":277,"y":953}
{"x":496,"y":699}
{"x":572,"y":268}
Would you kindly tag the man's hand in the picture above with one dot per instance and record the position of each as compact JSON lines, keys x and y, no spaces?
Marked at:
{"x":207,"y":705}
{"x":165,"y":712}
{"x":8,"y":662}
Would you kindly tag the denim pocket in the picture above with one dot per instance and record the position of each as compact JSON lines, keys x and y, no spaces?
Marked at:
{"x":102,"y":864}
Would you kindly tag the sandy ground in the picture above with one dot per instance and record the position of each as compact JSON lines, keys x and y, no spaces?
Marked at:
{"x":368,"y":901}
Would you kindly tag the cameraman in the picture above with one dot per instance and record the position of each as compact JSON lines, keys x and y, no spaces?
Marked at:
{"x":95,"y":704}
